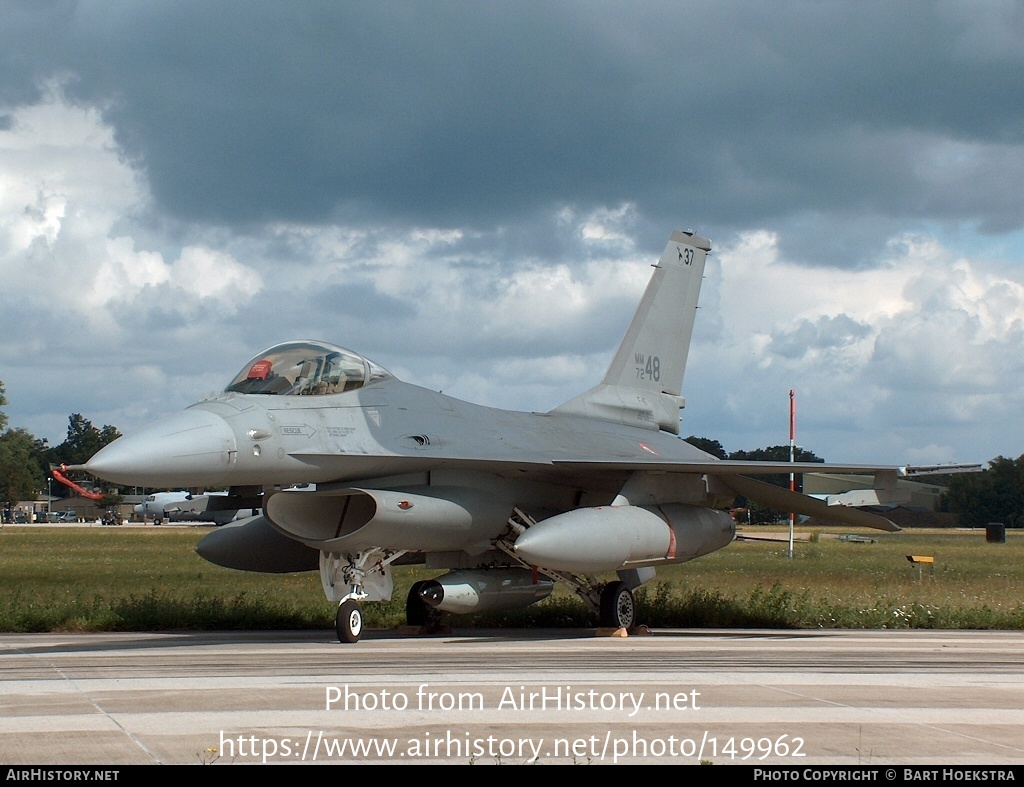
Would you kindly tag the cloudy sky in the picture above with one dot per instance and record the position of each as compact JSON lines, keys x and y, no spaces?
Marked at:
{"x":472,"y":193}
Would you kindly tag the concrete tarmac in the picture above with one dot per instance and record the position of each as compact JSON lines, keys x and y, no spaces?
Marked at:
{"x":793,"y":698}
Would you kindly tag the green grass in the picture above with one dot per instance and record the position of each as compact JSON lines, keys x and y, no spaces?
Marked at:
{"x":108,"y":579}
{"x":112,"y":579}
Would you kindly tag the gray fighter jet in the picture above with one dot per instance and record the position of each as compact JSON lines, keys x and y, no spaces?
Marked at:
{"x":356,"y":471}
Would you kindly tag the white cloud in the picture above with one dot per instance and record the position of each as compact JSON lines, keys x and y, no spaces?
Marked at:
{"x":64,"y":193}
{"x":209,"y":274}
{"x":610,"y":226}
{"x":893,"y":362}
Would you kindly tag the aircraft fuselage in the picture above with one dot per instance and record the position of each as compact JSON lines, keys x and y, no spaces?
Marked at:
{"x":385,"y":429}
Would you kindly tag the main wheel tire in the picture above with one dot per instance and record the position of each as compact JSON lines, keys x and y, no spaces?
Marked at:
{"x":618,"y":607}
{"x":417,"y":613}
{"x":349,"y":622}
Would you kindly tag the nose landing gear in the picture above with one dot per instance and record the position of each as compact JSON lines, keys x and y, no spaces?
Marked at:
{"x":349,"y":621}
{"x":351,"y":579}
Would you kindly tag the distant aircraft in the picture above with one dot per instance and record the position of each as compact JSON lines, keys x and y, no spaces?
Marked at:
{"x":508,"y":502}
{"x":155,"y":504}
{"x":183,"y":506}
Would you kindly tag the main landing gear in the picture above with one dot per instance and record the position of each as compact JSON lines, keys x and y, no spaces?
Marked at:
{"x":613,"y":602}
{"x":618,"y":607}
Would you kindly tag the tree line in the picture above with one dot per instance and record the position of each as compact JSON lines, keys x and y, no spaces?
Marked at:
{"x":993,"y":495}
{"x":25,"y":459}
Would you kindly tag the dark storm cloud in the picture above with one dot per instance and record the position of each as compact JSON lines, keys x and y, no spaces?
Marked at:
{"x":723,"y":115}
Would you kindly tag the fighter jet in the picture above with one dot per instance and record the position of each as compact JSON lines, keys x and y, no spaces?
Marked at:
{"x":356,"y":471}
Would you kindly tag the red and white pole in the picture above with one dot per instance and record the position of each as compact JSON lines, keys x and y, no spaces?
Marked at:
{"x":792,"y":458}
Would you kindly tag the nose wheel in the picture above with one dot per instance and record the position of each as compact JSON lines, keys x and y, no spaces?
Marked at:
{"x":349,"y":621}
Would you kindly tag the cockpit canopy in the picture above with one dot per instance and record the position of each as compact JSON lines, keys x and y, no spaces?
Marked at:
{"x":306,"y":369}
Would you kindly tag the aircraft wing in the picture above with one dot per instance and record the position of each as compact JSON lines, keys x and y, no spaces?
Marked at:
{"x":749,"y":467}
{"x":730,"y":467}
{"x":406,"y":463}
{"x":783,"y":500}
{"x":734,"y":475}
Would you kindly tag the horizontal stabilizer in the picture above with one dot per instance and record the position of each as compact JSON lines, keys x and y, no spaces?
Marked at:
{"x":913,"y":472}
{"x":784,"y":500}
{"x":869,"y":497}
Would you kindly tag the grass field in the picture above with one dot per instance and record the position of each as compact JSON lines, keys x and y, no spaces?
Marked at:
{"x":96,"y":579}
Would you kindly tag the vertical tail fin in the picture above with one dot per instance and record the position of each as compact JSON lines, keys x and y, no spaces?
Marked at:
{"x":643,"y":384}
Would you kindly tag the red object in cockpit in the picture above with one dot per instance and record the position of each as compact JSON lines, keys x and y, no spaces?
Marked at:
{"x":259,"y":370}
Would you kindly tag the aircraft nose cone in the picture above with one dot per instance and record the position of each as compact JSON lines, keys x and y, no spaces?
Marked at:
{"x":193,"y":448}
